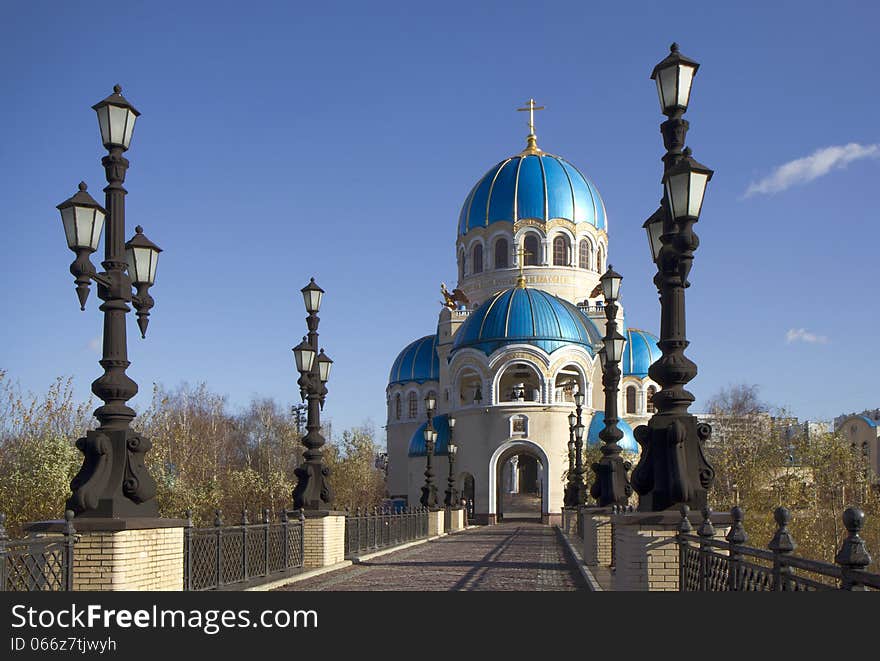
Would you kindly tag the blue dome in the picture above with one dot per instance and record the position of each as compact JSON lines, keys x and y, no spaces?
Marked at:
{"x":640,"y":353}
{"x":525,"y":315}
{"x":417,"y":442}
{"x":417,"y":362}
{"x":597,"y":424}
{"x":540,"y":186}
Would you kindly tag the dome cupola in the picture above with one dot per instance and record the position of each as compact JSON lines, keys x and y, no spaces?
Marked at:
{"x":418,"y":362}
{"x":522,"y":315}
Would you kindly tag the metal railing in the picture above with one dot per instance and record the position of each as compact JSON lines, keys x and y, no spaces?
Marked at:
{"x":371,"y":530}
{"x":38,"y":563}
{"x":710,"y":564}
{"x":237,"y":556}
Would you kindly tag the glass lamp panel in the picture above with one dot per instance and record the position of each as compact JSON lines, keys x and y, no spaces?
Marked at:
{"x":667,"y":81}
{"x":324,"y":365}
{"x":305,"y":357}
{"x":614,"y":349}
{"x":452,"y":423}
{"x":579,"y":432}
{"x":312,"y":295}
{"x":68,"y":216}
{"x":677,"y":193}
{"x":452,"y":449}
{"x":104,"y":123}
{"x":685,"y":79}
{"x":572,"y":419}
{"x":655,"y":231}
{"x":602,"y":358}
{"x":121,"y":124}
{"x":430,"y":402}
{"x":90,"y":223}
{"x":698,"y":182}
{"x":141,"y":264}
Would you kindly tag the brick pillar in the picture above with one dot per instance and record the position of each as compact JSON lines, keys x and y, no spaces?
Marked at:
{"x":323,"y":538}
{"x":435,"y":523}
{"x":124,"y":554}
{"x":597,"y":536}
{"x":646,"y":554}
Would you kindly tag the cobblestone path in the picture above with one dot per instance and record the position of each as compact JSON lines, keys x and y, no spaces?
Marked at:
{"x":509,"y":556}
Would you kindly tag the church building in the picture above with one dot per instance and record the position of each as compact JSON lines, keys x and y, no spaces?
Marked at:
{"x":519,"y":336}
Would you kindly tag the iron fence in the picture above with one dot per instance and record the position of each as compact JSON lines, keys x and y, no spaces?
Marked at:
{"x":237,"y":556}
{"x":38,"y":563}
{"x":710,"y":564}
{"x":371,"y":530}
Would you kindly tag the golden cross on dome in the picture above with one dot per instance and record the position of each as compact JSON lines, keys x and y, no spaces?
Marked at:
{"x":531,"y":108}
{"x":521,"y":252}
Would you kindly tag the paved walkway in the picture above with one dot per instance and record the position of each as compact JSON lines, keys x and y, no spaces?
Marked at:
{"x":510,"y":556}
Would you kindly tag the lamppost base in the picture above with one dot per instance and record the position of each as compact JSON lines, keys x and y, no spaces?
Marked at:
{"x":312,"y":491}
{"x":113,"y":481}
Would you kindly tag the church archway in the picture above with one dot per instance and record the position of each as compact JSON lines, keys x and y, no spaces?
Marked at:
{"x":518,"y":468}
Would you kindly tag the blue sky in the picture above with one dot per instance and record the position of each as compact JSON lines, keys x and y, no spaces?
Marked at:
{"x":283,"y":140}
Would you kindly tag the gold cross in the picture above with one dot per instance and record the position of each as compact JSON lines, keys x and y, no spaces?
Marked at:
{"x":531,"y":108}
{"x":521,"y":252}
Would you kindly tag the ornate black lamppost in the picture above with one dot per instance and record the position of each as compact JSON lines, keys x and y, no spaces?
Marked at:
{"x":113,"y":481}
{"x":611,"y":486}
{"x":429,"y":490}
{"x":569,"y":498}
{"x":580,"y":487}
{"x":312,"y":491}
{"x":451,"y":499}
{"x":673,"y":468}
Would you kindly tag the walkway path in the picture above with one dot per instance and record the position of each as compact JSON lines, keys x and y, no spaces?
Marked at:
{"x":509,"y":556}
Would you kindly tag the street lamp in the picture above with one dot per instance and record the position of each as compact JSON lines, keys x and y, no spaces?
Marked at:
{"x":429,"y":490}
{"x":673,"y":468}
{"x":611,"y":486}
{"x":313,"y":491}
{"x":579,"y":490}
{"x":451,"y":499}
{"x":113,"y":481}
{"x":570,"y":494}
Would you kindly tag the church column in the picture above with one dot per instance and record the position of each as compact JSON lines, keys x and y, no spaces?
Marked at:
{"x":514,"y":474}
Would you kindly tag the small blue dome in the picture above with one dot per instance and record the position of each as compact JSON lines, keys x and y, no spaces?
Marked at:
{"x":525,"y":315}
{"x":597,"y":424}
{"x":540,"y":186}
{"x":417,"y":362}
{"x":417,"y":442}
{"x":640,"y":353}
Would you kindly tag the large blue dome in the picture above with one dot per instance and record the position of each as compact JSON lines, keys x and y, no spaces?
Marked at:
{"x":640,"y":353}
{"x":417,"y":442}
{"x":417,"y":362}
{"x":597,"y":424}
{"x":525,"y":315}
{"x":532,"y":185}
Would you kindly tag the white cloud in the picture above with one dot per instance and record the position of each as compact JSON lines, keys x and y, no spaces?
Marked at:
{"x":95,"y":345}
{"x":803,"y":335}
{"x":808,"y":168}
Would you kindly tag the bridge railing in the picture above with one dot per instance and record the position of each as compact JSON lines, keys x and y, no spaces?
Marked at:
{"x":710,"y":564}
{"x":37,"y":563}
{"x":237,"y":556}
{"x":368,"y":530}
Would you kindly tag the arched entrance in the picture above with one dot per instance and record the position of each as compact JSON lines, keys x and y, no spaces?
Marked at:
{"x":518,"y":485}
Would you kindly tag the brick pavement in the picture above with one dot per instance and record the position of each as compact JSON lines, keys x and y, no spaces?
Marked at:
{"x":516,"y":555}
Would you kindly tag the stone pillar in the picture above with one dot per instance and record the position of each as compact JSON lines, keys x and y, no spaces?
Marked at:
{"x":514,"y":474}
{"x":435,"y":523}
{"x":454,"y":519}
{"x":124,"y":554}
{"x":645,"y":551}
{"x":323,"y":538}
{"x":597,"y":536}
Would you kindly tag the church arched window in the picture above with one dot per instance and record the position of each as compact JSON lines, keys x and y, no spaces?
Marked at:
{"x":501,"y":252}
{"x":560,"y":251}
{"x":600,"y":259}
{"x":398,"y":406}
{"x":649,"y":400}
{"x":585,"y":254}
{"x":532,"y":250}
{"x":461,"y":264}
{"x":631,"y":399}
{"x":413,"y":405}
{"x":478,"y":258}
